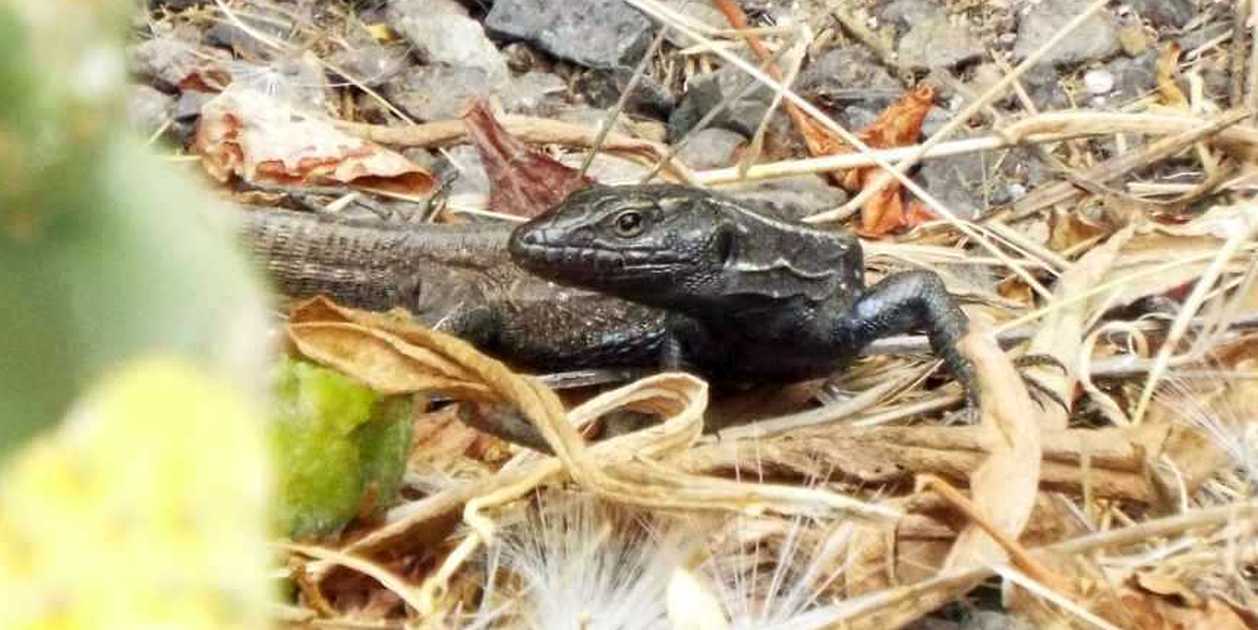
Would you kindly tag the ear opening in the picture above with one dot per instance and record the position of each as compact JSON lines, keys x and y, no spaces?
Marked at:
{"x":725,"y":246}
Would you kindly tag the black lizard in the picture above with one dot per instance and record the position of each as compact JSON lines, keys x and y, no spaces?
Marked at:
{"x":765,"y":298}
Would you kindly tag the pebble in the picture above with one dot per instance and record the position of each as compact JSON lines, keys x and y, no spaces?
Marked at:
{"x":1096,"y":38}
{"x":1098,"y":81}
{"x":446,"y":34}
{"x":707,"y":91}
{"x":936,"y":42}
{"x":1165,"y":13}
{"x":148,"y":109}
{"x":438,"y":92}
{"x":592,"y":33}
{"x":712,"y":147}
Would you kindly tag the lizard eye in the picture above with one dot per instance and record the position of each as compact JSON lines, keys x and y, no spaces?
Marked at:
{"x":629,"y":223}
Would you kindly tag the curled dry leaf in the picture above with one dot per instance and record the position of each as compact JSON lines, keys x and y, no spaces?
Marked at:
{"x":264,"y":141}
{"x":523,"y":181}
{"x":1167,"y":68}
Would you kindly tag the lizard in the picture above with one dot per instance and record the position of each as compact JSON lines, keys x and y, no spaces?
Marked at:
{"x":765,"y":298}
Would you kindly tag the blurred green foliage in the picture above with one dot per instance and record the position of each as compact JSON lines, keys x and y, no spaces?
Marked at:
{"x":340,"y":448}
{"x":107,"y":252}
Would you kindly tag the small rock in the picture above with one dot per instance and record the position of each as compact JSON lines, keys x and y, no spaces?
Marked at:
{"x":841,"y":74}
{"x":607,"y":168}
{"x":1165,"y":13}
{"x":370,"y":63}
{"x":1096,"y":38}
{"x":1098,"y":81}
{"x":903,"y":14}
{"x":447,"y":35}
{"x":438,"y":92}
{"x":593,"y":33}
{"x":148,"y":109}
{"x":968,"y":184}
{"x":1197,"y":38}
{"x":993,"y":620}
{"x":167,"y":61}
{"x":520,"y":57}
{"x":791,"y":197}
{"x":711,"y":148}
{"x":527,"y":93}
{"x":1134,"y":78}
{"x":707,"y":91}
{"x":1133,"y":39}
{"x":602,"y":88}
{"x":935,"y":42}
{"x":700,"y":11}
{"x":1043,"y":84}
{"x":301,"y":81}
{"x":462,"y":163}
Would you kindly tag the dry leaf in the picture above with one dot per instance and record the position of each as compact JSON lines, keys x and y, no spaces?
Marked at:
{"x":263,"y":140}
{"x":1167,"y":68}
{"x":523,"y":181}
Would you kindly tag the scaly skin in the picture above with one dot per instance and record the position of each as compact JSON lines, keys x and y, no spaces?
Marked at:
{"x":772,"y":299}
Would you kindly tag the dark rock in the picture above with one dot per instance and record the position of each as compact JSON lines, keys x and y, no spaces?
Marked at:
{"x":706,"y":92}
{"x":1134,"y":78}
{"x":602,"y":88}
{"x":1096,"y":38}
{"x":187,"y":114}
{"x":1165,"y":13}
{"x":934,"y":41}
{"x":1043,"y":85}
{"x":438,"y":92}
{"x":903,"y":14}
{"x":593,"y":33}
{"x":700,"y":11}
{"x":1194,"y":39}
{"x":148,"y":109}
{"x":166,"y":61}
{"x":968,"y":184}
{"x":850,"y":76}
{"x":711,"y":148}
{"x":791,"y":197}
{"x":445,"y":34}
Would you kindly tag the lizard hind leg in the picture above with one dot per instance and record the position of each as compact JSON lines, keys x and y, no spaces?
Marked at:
{"x":907,"y":301}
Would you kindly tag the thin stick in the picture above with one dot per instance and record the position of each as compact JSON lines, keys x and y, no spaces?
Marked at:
{"x":638,"y":73}
{"x":1191,"y":306}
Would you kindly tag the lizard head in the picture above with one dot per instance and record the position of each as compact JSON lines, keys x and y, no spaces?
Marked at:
{"x":657,"y":244}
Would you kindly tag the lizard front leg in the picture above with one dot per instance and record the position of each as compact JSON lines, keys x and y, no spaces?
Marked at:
{"x":908,"y":301}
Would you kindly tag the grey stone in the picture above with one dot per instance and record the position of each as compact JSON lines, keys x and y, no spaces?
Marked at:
{"x":463,"y":164}
{"x":166,"y":61}
{"x":447,"y":35}
{"x":148,"y":109}
{"x":968,"y":184}
{"x":438,"y":92}
{"x":530,"y":92}
{"x":1136,"y":77}
{"x":934,"y":42}
{"x":1042,"y":83}
{"x":700,"y":11}
{"x":903,"y":14}
{"x":1196,"y":38}
{"x":592,"y":33}
{"x":608,"y":169}
{"x":848,"y":77}
{"x":993,"y":620}
{"x":711,"y":148}
{"x":791,"y":197}
{"x":1165,"y":13}
{"x":707,"y":91}
{"x":1096,"y":38}
{"x":603,"y":88}
{"x":370,"y":63}
{"x":300,"y":81}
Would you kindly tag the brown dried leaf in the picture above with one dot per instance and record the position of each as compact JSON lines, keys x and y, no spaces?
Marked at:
{"x":248,"y":134}
{"x":1167,"y":68}
{"x":523,"y":181}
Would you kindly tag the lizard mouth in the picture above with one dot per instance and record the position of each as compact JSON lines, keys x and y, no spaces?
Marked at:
{"x":587,"y":261}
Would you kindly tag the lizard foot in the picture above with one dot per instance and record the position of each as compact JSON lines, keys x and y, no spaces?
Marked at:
{"x":1038,"y":390}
